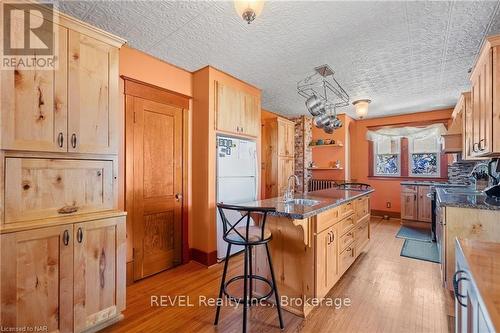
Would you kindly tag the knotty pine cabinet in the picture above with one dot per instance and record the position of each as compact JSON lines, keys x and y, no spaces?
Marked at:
{"x":415,"y":204}
{"x":237,"y":112}
{"x":73,"y":108}
{"x":278,"y":149}
{"x":483,"y":134}
{"x":327,"y":270}
{"x":62,"y":236}
{"x":68,"y":277}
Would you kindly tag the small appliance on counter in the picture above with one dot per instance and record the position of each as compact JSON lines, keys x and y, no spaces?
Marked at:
{"x":493,"y":191}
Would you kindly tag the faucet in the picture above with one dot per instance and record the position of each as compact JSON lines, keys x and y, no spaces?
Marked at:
{"x":472,"y":174}
{"x":288,"y":196}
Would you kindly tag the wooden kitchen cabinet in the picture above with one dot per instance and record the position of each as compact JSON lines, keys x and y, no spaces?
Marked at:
{"x":36,"y":284}
{"x":236,"y":111}
{"x":33,"y":105}
{"x":424,"y":207}
{"x":99,"y":270}
{"x":286,"y":137}
{"x":69,"y":277}
{"x":93,"y":95}
{"x":483,"y":134}
{"x":41,"y":188}
{"x":409,"y":203}
{"x":71,"y":108}
{"x":326,"y":261}
{"x":278,"y":155}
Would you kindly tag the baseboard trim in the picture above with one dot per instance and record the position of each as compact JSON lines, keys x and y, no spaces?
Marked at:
{"x":381,"y":213}
{"x":130,"y":273}
{"x":207,"y":259}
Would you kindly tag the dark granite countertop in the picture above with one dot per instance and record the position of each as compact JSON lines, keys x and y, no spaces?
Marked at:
{"x":462,"y":200}
{"x":432,"y":183}
{"x":329,"y":198}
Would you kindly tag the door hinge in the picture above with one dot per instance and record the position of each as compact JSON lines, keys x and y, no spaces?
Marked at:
{"x":134,"y":117}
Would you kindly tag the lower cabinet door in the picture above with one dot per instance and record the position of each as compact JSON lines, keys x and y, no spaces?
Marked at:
{"x":37,"y":279}
{"x":326,"y":261}
{"x":99,"y":271}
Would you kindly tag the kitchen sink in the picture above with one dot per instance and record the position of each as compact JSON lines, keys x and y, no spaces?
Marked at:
{"x":303,"y":202}
{"x":465,"y":191}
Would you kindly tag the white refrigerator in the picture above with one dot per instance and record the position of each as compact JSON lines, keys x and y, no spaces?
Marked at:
{"x":236,"y":181}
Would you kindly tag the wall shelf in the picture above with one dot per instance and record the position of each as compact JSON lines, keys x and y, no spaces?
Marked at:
{"x":330,"y":145}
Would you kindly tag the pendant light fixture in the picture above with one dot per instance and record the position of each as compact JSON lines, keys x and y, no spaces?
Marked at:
{"x":249,"y":10}
{"x":361,"y":106}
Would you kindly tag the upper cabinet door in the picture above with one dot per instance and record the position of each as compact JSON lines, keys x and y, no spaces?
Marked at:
{"x":251,"y":124}
{"x":33,"y":104}
{"x":93,"y":95}
{"x":229,"y":108}
{"x":236,"y":111}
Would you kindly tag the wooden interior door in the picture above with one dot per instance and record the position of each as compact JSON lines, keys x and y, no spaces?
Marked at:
{"x":93,"y":95}
{"x":37,"y":279}
{"x":33,"y":104}
{"x":99,"y":288}
{"x":157,"y":187}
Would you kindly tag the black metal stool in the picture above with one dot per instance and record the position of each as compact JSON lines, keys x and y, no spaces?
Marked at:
{"x":248,"y":236}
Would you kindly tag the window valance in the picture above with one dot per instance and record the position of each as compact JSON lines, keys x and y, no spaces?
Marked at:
{"x":412,"y":133}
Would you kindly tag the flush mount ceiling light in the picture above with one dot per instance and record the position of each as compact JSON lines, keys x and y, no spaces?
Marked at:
{"x":249,"y":10}
{"x":361,"y":106}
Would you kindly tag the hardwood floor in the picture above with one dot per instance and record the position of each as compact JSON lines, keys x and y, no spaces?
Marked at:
{"x":388,"y":293}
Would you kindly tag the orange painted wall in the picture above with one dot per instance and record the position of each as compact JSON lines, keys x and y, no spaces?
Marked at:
{"x":141,"y":66}
{"x":325,"y":156}
{"x":386,"y":190}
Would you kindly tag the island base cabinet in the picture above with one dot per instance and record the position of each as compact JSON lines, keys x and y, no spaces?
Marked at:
{"x":66,"y":278}
{"x":326,"y":264}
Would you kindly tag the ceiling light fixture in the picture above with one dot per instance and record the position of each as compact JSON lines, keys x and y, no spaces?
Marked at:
{"x":249,"y":10}
{"x":361,"y":106}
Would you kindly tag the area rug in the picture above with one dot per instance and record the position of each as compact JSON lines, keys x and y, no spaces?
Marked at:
{"x":413,"y":233}
{"x":427,"y":251}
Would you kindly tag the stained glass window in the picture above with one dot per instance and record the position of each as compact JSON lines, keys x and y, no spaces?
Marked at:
{"x":424,"y":157}
{"x":387,"y":157}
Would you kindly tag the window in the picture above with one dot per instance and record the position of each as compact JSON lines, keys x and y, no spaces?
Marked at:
{"x":424,"y":157}
{"x":387,"y":159}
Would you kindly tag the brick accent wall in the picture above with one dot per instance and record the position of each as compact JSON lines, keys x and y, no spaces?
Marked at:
{"x":303,"y":153}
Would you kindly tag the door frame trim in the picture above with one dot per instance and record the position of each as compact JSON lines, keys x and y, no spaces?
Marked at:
{"x":135,"y":88}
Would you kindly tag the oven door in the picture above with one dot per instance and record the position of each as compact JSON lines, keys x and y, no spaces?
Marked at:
{"x":441,"y":241}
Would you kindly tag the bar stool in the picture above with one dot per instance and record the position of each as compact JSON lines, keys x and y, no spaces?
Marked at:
{"x":248,"y":236}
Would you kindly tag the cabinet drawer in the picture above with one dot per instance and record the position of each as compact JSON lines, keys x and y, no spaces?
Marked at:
{"x":327,"y":219}
{"x":346,"y":240}
{"x":346,"y":225}
{"x":42,"y":188}
{"x":347,"y":209}
{"x":362,"y":207}
{"x":346,"y":258}
{"x":361,"y":234}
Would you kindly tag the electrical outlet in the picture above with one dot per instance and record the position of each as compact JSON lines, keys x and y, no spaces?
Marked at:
{"x":388,"y":204}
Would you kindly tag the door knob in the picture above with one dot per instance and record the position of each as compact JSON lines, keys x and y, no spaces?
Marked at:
{"x":178,"y":197}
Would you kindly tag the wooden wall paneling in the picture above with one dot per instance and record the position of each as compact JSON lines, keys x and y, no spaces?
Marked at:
{"x":37,"y":279}
{"x":33,"y":105}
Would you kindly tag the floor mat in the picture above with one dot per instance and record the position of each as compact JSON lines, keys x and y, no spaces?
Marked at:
{"x":419,"y":234}
{"x":427,"y":251}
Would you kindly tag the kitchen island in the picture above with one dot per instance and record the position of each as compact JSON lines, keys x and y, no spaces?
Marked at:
{"x":315,"y":240}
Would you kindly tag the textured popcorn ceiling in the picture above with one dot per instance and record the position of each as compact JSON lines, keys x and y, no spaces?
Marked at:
{"x":405,"y":56}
